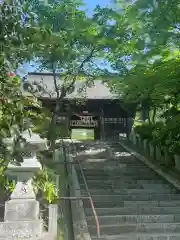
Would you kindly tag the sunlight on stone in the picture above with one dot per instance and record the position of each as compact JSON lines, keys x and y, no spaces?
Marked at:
{"x":96,"y":160}
{"x":122,"y":154}
{"x":94,"y":151}
{"x":68,"y":140}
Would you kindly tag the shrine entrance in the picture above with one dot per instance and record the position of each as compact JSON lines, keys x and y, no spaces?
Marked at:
{"x":84,"y":126}
{"x":82,"y":133}
{"x":97,"y":113}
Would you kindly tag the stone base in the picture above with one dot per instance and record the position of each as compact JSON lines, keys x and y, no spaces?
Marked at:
{"x":145,"y":145}
{"x":21,"y":210}
{"x":177,"y":162}
{"x":158,"y":154}
{"x":47,"y":236}
{"x":152,"y":151}
{"x":21,"y":230}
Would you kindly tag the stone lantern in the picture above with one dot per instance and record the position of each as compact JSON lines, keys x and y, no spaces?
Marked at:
{"x":22,"y":211}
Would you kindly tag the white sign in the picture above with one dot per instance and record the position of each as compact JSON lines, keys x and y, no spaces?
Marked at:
{"x":85,"y":121}
{"x":61,"y":119}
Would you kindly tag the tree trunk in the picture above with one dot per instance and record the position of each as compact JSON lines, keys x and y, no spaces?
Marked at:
{"x":154,"y":114}
{"x":52,"y":127}
{"x":148,"y":115}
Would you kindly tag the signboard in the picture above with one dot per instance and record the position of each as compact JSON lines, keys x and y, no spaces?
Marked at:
{"x":61,"y":119}
{"x":84,"y":121}
{"x":120,"y":121}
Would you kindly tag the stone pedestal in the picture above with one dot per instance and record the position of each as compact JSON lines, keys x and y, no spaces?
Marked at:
{"x":145,"y":145}
{"x":152,"y":151}
{"x":21,"y":219}
{"x":177,"y":162}
{"x":109,"y":152}
{"x":158,"y":154}
{"x":134,"y":139}
{"x":138,"y":141}
{"x":21,"y":209}
{"x":24,"y":230}
{"x":141,"y":144}
{"x":130,"y":137}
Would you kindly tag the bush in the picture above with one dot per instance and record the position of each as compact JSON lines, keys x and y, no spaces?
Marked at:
{"x":160,"y":135}
{"x":166,"y":134}
{"x":145,"y":131}
{"x":173,"y":128}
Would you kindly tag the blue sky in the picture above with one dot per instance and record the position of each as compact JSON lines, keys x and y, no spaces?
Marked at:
{"x":90,"y":5}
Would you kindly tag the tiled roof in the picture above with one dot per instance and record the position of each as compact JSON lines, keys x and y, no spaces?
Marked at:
{"x":97,"y":90}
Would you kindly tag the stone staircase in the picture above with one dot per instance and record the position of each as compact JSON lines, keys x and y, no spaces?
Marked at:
{"x":132,"y":201}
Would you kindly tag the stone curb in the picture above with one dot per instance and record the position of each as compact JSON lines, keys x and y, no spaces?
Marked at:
{"x":80,"y":226}
{"x":157,"y":169}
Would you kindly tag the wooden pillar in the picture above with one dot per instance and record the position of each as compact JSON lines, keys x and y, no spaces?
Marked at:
{"x":68,"y":125}
{"x":68,"y":120}
{"x":102,"y":136}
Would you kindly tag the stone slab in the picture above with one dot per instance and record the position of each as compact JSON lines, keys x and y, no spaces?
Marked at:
{"x":117,"y":185}
{"x":127,"y":191}
{"x":21,"y":230}
{"x":135,"y":204}
{"x":23,"y":210}
{"x":152,"y":228}
{"x":140,"y":197}
{"x":47,"y":236}
{"x":134,"y":236}
{"x":133,"y":210}
{"x":120,"y":219}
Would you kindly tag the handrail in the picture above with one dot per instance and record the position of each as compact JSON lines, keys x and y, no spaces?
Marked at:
{"x":69,"y":213}
{"x":90,"y":198}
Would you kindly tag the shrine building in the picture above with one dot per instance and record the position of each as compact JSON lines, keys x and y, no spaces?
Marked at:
{"x":92,"y":107}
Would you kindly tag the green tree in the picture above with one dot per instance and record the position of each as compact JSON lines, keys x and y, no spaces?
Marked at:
{"x":74,"y":47}
{"x":19,"y":34}
{"x":150,"y":75}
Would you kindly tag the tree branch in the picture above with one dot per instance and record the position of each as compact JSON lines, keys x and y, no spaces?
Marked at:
{"x":55,"y":81}
{"x":88,"y":57}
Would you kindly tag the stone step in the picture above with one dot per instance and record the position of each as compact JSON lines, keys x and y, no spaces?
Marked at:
{"x":95,"y":170}
{"x":120,"y":174}
{"x":117,"y":172}
{"x":121,"y":177}
{"x":112,"y":190}
{"x":117,"y":168}
{"x":108,"y":162}
{"x":129,"y":198}
{"x":126,"y":160}
{"x":126,"y":197}
{"x":131,"y":210}
{"x":120,"y":219}
{"x":116,"y":185}
{"x":121,"y":182}
{"x":136,"y":228}
{"x":144,"y":236}
{"x":112,"y":164}
{"x":112,"y":204}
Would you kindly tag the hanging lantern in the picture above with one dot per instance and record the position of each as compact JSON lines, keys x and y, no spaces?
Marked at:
{"x":3,"y":100}
{"x":11,"y":74}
